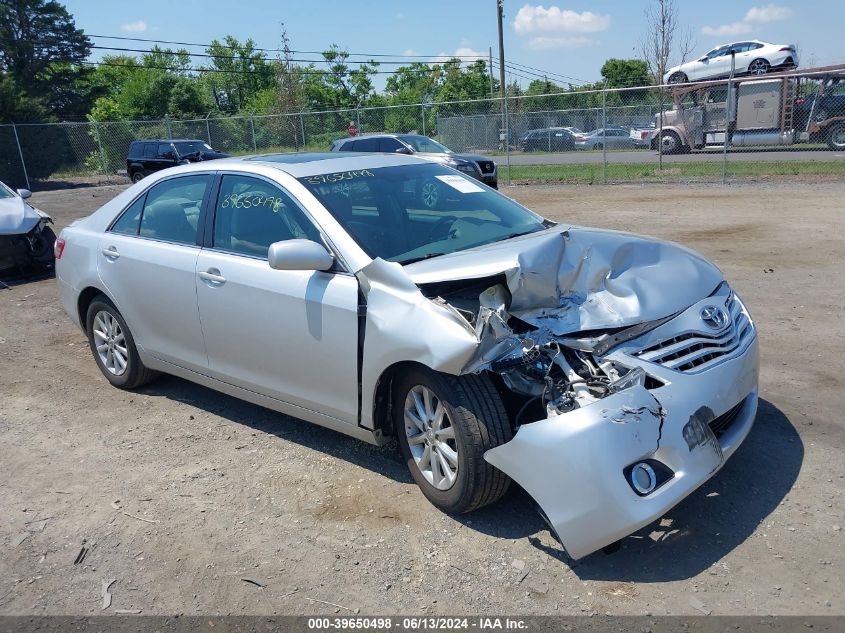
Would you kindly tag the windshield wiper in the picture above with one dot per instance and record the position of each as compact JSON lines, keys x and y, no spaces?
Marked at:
{"x":420,"y":258}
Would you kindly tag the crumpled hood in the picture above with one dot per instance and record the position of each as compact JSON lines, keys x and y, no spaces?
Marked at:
{"x":569,"y":279}
{"x":16,"y":216}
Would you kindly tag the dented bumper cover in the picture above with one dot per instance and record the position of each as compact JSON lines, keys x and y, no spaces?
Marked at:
{"x":573,"y":464}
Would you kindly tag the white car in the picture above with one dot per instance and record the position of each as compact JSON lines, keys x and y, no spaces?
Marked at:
{"x":610,"y":375}
{"x":752,"y":57}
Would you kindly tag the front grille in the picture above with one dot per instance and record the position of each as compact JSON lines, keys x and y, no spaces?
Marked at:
{"x":723,"y":422}
{"x":486,"y":166}
{"x":691,"y":352}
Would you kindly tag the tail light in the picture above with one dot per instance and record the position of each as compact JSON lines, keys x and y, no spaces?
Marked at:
{"x":800,"y":101}
{"x":59,"y":248}
{"x":643,"y":134}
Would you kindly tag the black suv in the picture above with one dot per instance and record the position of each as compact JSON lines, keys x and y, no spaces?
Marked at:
{"x":145,"y":157}
{"x":479,"y":167}
{"x":549,"y":139}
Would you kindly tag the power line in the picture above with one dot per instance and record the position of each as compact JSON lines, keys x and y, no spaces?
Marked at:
{"x":229,"y":72}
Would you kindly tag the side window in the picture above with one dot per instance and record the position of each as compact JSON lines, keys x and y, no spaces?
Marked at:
{"x":163,"y":149}
{"x":128,"y":223}
{"x":172,"y":209}
{"x":250,"y":214}
{"x":367,"y":145}
{"x":149,"y":150}
{"x":388,"y":144}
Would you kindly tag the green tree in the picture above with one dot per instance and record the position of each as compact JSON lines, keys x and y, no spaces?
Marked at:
{"x":625,"y":73}
{"x":41,"y":54}
{"x":239,"y":73}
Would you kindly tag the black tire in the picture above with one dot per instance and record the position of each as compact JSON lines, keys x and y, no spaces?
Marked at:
{"x":836,"y":137}
{"x":135,"y":374}
{"x":137,"y":176}
{"x":678,"y":78}
{"x":759,"y":67}
{"x":43,"y":242}
{"x":475,"y":410}
{"x":671,"y":143}
{"x":598,"y":146}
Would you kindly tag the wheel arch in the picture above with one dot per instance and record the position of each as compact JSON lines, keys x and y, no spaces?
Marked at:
{"x":382,"y":394}
{"x":84,"y":300}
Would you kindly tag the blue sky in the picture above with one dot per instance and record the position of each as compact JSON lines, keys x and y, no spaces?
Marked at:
{"x":570,"y":38}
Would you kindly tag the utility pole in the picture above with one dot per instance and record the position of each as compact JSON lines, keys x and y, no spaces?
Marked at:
{"x":500,"y":13}
{"x":500,"y":10}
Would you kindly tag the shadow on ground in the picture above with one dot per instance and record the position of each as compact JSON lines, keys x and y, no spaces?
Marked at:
{"x":698,"y":532}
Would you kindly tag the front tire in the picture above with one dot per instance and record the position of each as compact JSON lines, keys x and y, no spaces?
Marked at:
{"x":113,"y":347}
{"x":671,"y":142}
{"x":42,"y":247}
{"x":444,"y":425}
{"x":677,"y":78}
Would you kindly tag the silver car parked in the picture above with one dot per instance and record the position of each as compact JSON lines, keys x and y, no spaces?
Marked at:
{"x":608,"y":374}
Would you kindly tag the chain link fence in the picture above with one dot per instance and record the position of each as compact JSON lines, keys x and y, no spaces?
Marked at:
{"x":784,"y":125}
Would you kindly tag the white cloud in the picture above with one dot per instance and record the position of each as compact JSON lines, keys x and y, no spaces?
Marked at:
{"x":538,"y":19}
{"x":410,"y":52}
{"x":576,"y":41}
{"x":753,"y":17}
{"x":769,"y":13}
{"x":466,"y":54}
{"x":134,"y":27}
{"x":735,"y":28}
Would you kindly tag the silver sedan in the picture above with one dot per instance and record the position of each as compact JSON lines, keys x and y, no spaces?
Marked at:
{"x":609,"y":375}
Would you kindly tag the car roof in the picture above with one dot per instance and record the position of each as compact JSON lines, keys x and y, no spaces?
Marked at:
{"x":303,"y":164}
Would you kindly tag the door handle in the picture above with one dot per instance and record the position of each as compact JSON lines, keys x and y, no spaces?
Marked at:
{"x":212,"y":277}
{"x":111,"y":253}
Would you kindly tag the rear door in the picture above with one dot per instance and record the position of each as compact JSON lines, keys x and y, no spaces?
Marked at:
{"x":147,"y":261}
{"x":288,"y":334}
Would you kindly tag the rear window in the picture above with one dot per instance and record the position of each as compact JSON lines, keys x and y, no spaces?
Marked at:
{"x":135,"y":150}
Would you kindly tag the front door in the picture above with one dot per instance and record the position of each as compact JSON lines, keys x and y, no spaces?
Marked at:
{"x":290,"y":335}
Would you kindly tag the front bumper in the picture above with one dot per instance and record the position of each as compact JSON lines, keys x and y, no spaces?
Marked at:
{"x":572,"y":464}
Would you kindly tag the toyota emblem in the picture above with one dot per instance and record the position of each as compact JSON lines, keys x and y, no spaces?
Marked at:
{"x":714,"y":317}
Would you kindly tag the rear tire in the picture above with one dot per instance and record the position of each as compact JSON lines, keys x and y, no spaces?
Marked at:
{"x":759,"y":67}
{"x":110,"y":340}
{"x":836,"y":137}
{"x":137,"y":176}
{"x":472,"y":421}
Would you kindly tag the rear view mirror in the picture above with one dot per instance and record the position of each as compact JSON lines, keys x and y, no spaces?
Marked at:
{"x":24,"y":193}
{"x":299,"y":255}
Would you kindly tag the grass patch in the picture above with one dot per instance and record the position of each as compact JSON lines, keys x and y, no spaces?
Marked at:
{"x":590,"y":173}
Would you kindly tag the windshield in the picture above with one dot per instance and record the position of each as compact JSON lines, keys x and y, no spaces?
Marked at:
{"x":425,"y":144}
{"x":192,"y":147}
{"x":412,"y":212}
{"x":5,"y":192}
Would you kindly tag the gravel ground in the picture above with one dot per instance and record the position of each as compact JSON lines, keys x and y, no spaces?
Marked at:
{"x":194,"y":502}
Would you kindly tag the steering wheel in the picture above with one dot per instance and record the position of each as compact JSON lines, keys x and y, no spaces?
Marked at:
{"x":441,"y":228}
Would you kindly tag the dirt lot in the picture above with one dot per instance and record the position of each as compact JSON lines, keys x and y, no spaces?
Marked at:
{"x":179,"y":493}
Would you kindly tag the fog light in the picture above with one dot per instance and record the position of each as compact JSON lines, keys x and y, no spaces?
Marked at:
{"x":643,"y":478}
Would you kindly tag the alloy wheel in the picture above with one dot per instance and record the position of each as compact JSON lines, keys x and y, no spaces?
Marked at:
{"x":110,"y":343}
{"x":431,"y":437}
{"x":759,"y":67}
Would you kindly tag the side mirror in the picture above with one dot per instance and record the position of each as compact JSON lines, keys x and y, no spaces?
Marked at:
{"x":402,"y":150}
{"x":24,"y":193}
{"x":704,"y":59}
{"x":299,"y":255}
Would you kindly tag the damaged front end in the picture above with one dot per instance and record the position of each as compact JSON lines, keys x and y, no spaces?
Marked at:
{"x":626,"y":399}
{"x":26,"y":237}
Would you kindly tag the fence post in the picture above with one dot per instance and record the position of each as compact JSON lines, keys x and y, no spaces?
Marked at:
{"x":302,"y":127}
{"x":20,"y":153}
{"x":169,"y":129}
{"x":604,"y":134}
{"x":507,"y":138}
{"x":208,"y":128}
{"x":103,"y":161}
{"x":252,"y":127}
{"x":422,"y":109}
{"x":728,"y":113}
